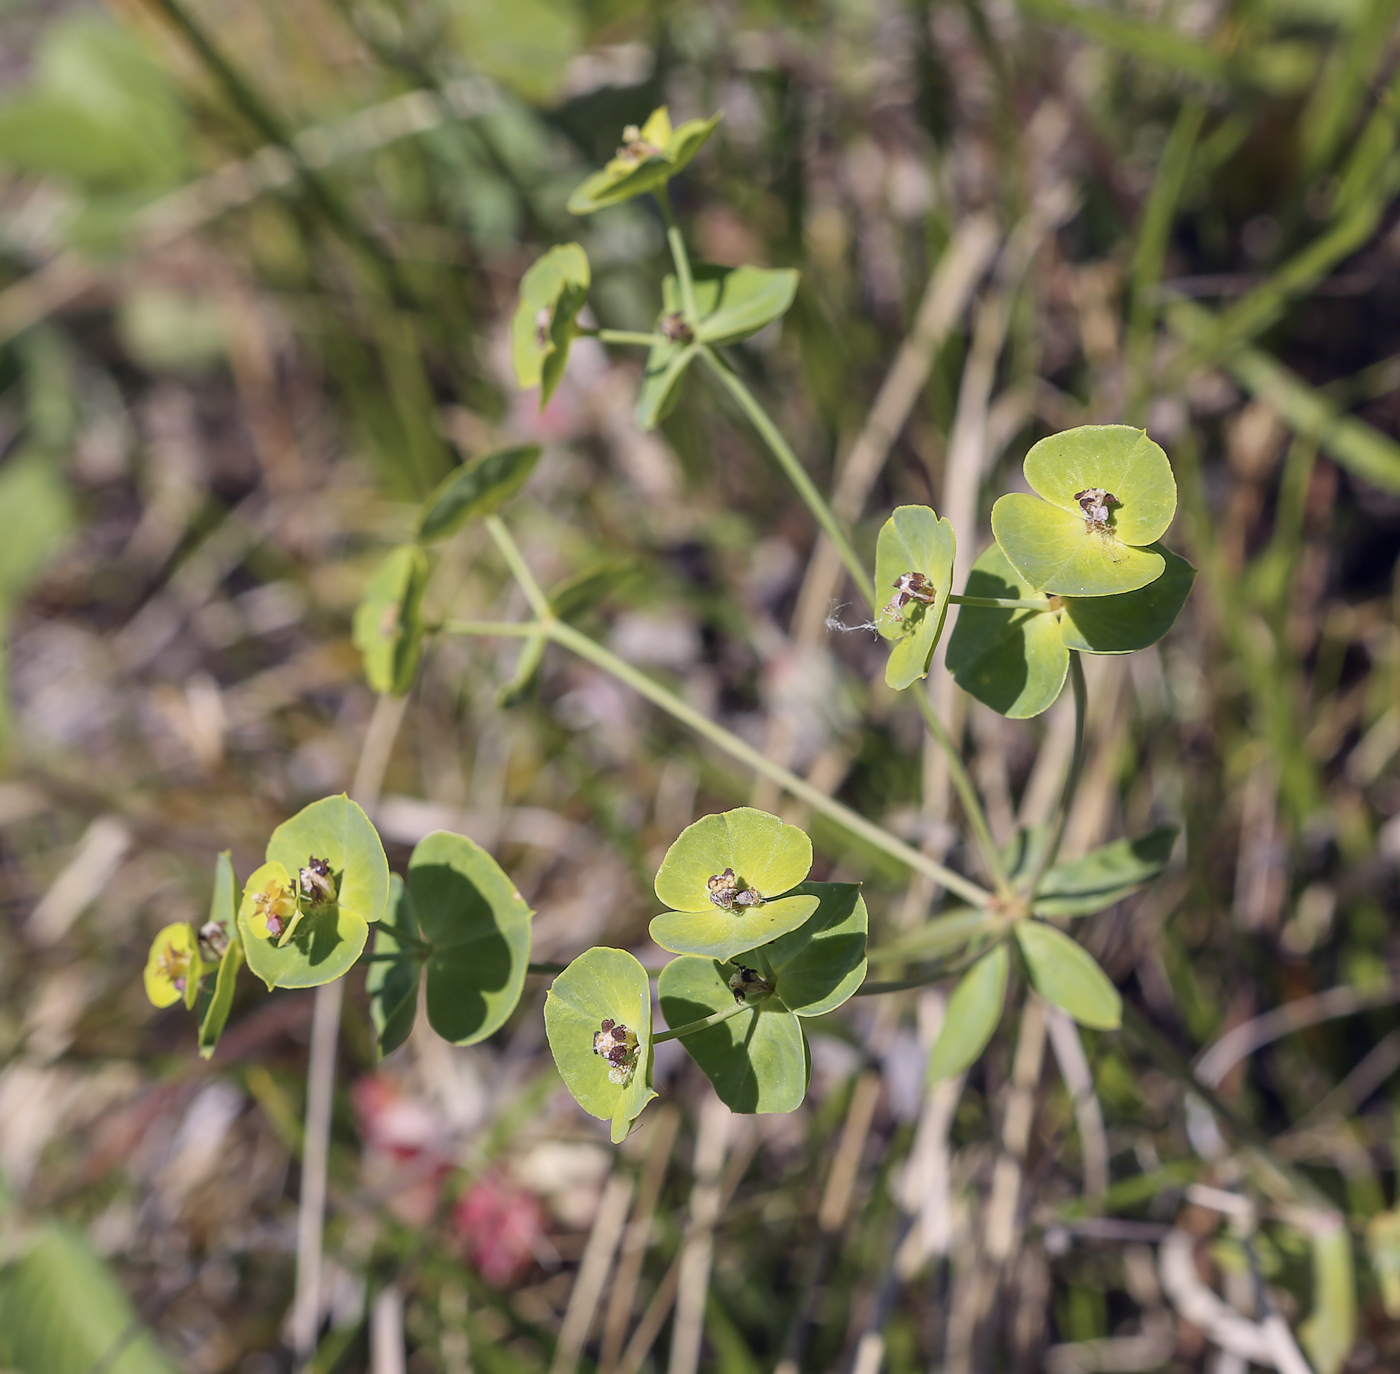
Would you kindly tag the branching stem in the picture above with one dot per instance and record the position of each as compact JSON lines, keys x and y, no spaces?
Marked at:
{"x":676,"y":240}
{"x":519,"y":568}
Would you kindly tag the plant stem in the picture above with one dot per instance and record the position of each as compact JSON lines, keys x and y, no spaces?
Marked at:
{"x":1076,"y":770}
{"x":796,"y":473}
{"x":620,"y":336}
{"x":679,"y":256}
{"x":972,"y":803}
{"x":378,"y":958}
{"x":546,"y":969}
{"x":704,"y":1023}
{"x":519,"y":568}
{"x":927,"y":976}
{"x":510,"y":629}
{"x":1000,"y":603}
{"x":737,"y":748}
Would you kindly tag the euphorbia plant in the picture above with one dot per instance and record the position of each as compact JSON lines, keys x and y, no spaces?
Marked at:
{"x":1075,"y":568}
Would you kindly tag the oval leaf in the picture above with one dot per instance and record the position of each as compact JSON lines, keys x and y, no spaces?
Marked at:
{"x":477,"y":488}
{"x":1065,"y":973}
{"x":552,"y":292}
{"x":820,"y":965}
{"x":974,"y":1012}
{"x":728,"y":934}
{"x":756,"y":1061}
{"x":1011,"y":660}
{"x":215,"y":1018}
{"x":479,"y":927}
{"x":1105,"y":876}
{"x":1123,"y":624}
{"x":392,"y":984}
{"x":387,"y":629}
{"x":914,"y":564}
{"x":735,"y":302}
{"x":602,"y":985}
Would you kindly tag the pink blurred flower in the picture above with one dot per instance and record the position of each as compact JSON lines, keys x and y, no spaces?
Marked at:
{"x":501,"y":1227}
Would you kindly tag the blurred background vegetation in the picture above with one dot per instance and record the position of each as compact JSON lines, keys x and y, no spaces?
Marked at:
{"x":256,"y":266}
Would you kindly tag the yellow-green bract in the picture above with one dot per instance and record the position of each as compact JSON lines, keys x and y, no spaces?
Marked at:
{"x":602,"y":985}
{"x":765,"y":860}
{"x":1104,"y":493}
{"x":387,"y":629}
{"x":645,"y":161}
{"x":915,"y":551}
{"x":172,"y":964}
{"x":552,"y":292}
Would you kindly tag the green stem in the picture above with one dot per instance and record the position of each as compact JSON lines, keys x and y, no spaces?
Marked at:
{"x":679,"y":256}
{"x":404,"y":938}
{"x":1000,"y":603}
{"x":546,"y":969}
{"x":704,"y":1023}
{"x":1076,"y":770}
{"x":796,"y":473}
{"x":745,"y":753}
{"x":621,"y":336}
{"x":379,"y":958}
{"x":519,"y":568}
{"x":510,"y":629}
{"x":967,"y":794}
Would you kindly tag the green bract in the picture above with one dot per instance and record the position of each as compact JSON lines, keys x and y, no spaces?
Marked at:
{"x":649,"y":158}
{"x":222,"y":924}
{"x":294,"y":936}
{"x":720,"y":915}
{"x":914,"y":566}
{"x":172,"y":965}
{"x":1074,"y":544}
{"x":1011,"y":660}
{"x":1015,"y":661}
{"x":477,"y":488}
{"x":479,"y":928}
{"x":1065,"y":973}
{"x":392,"y":984}
{"x":387,"y":629}
{"x":757,"y":1061}
{"x":1123,"y":624}
{"x":603,"y":985}
{"x":552,"y":293}
{"x":819,"y":965}
{"x":731,"y":303}
{"x":973,"y":1012}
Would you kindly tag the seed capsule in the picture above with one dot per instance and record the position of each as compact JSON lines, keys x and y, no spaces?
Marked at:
{"x":618,"y":1045}
{"x":744,"y":981}
{"x":316,"y":881}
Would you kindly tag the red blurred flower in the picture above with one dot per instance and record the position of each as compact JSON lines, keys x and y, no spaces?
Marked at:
{"x":501,"y":1227}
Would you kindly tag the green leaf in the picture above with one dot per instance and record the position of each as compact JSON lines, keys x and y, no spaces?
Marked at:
{"x":1104,"y":876}
{"x":941,"y":936}
{"x":1132,"y":621}
{"x":215,"y":1018}
{"x":757,"y":1061}
{"x":1383,"y":1248}
{"x":974,"y":1011}
{"x":602,"y":985}
{"x":479,"y":927}
{"x":764,"y":858}
{"x":388,"y":630}
{"x":1059,"y":548}
{"x":1329,"y":1333}
{"x":644,"y":162}
{"x":477,"y":488}
{"x":733,"y":302}
{"x":552,"y":293}
{"x":1064,"y":973}
{"x":575,"y":596}
{"x":392,"y":984}
{"x":666,"y":365}
{"x":309,"y":948}
{"x":1013,"y":661}
{"x":62,"y":1311}
{"x":915,"y":543}
{"x":337,"y":830}
{"x":172,"y":964}
{"x":819,"y":965}
{"x":526,"y":677}
{"x":525,"y":45}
